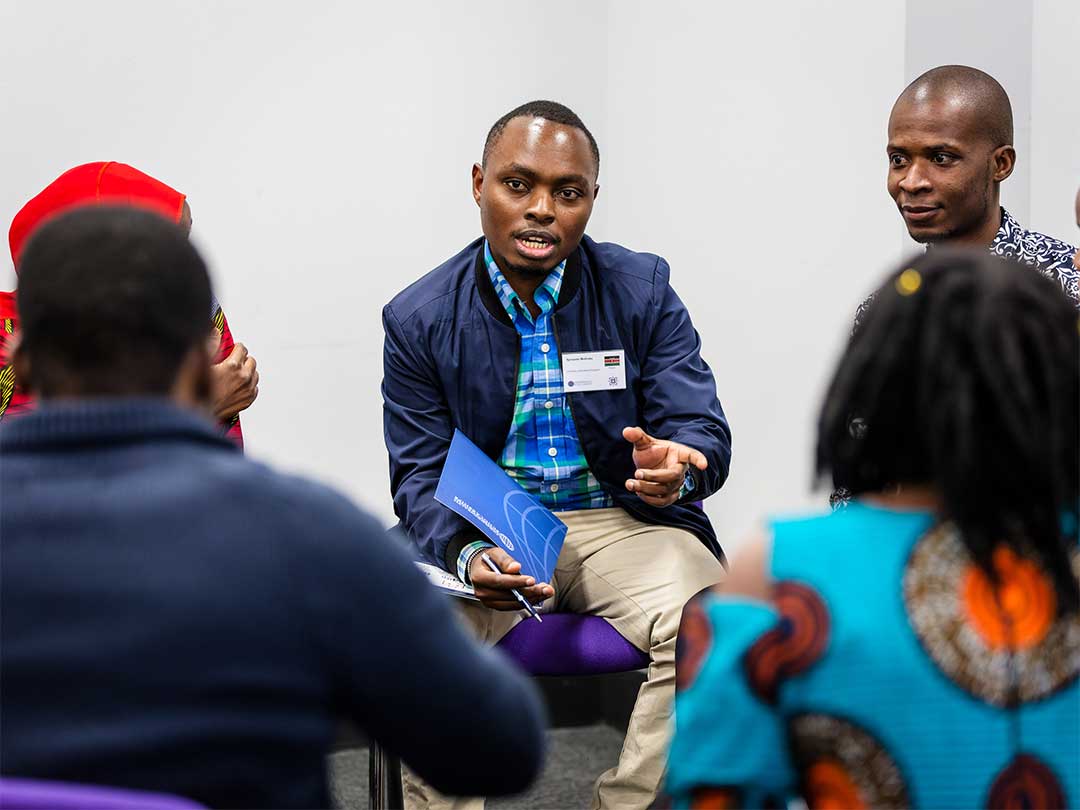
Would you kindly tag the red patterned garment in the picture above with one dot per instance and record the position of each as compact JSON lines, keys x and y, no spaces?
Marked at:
{"x":100,"y":183}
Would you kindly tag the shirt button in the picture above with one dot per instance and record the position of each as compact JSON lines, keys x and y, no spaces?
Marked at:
{"x":552,"y":452}
{"x":545,"y":347}
{"x":554,"y":487}
{"x":549,"y":404}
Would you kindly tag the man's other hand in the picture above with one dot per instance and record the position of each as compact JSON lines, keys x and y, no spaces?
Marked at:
{"x":661,"y":467}
{"x":235,"y":383}
{"x":493,"y":590}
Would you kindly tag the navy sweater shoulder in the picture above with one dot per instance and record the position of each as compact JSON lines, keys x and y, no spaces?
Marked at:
{"x":176,"y":617}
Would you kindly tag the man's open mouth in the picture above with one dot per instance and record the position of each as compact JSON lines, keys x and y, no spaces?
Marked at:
{"x":535,"y":244}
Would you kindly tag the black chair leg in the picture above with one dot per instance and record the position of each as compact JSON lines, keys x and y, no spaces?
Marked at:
{"x":384,"y":780}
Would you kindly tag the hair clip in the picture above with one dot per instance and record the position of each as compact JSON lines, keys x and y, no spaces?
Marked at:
{"x":908,"y":282}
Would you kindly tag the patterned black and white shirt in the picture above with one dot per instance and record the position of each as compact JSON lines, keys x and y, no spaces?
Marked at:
{"x":1051,"y":257}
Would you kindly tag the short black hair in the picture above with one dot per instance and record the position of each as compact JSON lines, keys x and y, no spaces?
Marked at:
{"x":548,"y":110}
{"x":110,"y":301}
{"x":965,"y":374}
{"x":972,"y":88}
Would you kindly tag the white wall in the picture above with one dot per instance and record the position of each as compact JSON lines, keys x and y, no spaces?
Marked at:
{"x":993,"y":36}
{"x":1030,"y":46}
{"x":1055,"y":109}
{"x":326,"y":146}
{"x":749,"y":149}
{"x":326,"y":149}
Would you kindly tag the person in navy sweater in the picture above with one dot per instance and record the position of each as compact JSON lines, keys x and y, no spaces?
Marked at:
{"x":178,"y":618}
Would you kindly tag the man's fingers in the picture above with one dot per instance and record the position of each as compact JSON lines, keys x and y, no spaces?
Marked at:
{"x":652,"y":500}
{"x":238,"y":354}
{"x":663,"y":475}
{"x":688,"y":455}
{"x":489,"y":580}
{"x":638,"y":437}
{"x":506,"y":563}
{"x":649,"y":488}
{"x":538,"y":593}
{"x":484,"y":578}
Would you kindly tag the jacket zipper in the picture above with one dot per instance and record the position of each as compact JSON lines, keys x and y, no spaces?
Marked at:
{"x":513,"y":402}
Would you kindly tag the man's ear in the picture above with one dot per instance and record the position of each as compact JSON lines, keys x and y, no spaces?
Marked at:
{"x":477,"y":181}
{"x":1003,"y":162}
{"x":192,"y":386}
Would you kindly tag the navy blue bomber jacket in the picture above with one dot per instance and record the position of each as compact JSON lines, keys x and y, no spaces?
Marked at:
{"x":450,"y":361}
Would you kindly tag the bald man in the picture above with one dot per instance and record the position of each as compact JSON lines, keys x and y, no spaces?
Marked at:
{"x":950,"y":149}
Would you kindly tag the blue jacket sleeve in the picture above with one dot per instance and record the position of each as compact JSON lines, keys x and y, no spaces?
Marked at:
{"x":679,"y":391}
{"x":402,"y":667}
{"x":418,"y":429}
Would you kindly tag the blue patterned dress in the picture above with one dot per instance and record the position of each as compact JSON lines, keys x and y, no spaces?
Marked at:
{"x":880,"y":675}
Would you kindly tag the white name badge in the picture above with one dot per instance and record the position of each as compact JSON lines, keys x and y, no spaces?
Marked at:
{"x":594,"y":371}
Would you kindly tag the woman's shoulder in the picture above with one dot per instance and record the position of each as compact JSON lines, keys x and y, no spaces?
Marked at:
{"x":825,"y":546}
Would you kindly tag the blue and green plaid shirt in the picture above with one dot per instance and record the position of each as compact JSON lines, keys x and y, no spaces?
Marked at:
{"x":542,"y":452}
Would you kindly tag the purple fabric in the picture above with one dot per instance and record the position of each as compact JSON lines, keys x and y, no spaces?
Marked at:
{"x":570,"y":644}
{"x":31,"y":794}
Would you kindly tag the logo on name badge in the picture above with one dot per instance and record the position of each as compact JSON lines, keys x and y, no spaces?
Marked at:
{"x":611,"y":359}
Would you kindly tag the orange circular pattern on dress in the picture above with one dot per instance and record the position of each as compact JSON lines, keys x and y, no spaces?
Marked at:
{"x":793,"y":645}
{"x":841,"y":764}
{"x":1024,"y":603}
{"x":829,"y":787}
{"x":1026,"y":782}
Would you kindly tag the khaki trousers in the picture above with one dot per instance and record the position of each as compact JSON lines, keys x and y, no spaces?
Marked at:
{"x":637,"y":577}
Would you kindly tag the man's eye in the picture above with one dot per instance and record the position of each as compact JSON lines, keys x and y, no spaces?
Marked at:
{"x":570,"y":194}
{"x":896,"y":161}
{"x":515,"y":185}
{"x":942,"y":158}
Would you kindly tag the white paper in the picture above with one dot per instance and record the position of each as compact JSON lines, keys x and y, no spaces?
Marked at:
{"x":445,"y":581}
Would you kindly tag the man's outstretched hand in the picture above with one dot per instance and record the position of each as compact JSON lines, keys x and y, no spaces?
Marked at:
{"x":493,"y":590}
{"x":661,"y":467}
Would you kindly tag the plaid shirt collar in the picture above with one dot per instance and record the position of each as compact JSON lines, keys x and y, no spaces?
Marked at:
{"x":511,"y":301}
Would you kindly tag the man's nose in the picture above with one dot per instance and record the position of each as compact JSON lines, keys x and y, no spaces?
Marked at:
{"x":541,"y":209}
{"x":915,"y":179}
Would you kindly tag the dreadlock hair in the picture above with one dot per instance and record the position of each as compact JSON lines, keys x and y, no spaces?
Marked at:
{"x":964,"y":375}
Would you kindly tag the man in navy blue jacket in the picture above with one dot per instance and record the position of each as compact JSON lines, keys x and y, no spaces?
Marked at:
{"x":178,"y":618}
{"x":490,"y":342}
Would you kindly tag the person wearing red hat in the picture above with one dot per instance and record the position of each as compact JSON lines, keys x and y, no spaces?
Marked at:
{"x":236,"y":380}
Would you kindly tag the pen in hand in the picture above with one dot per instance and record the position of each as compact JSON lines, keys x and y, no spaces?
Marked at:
{"x":517,"y":595}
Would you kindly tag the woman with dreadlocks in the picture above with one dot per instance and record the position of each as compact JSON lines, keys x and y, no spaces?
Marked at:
{"x":920,"y":647}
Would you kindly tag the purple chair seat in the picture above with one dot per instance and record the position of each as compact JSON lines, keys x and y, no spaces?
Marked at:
{"x":568,"y":644}
{"x":32,"y":794}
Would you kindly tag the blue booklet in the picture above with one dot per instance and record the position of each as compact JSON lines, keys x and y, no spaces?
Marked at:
{"x":476,"y":488}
